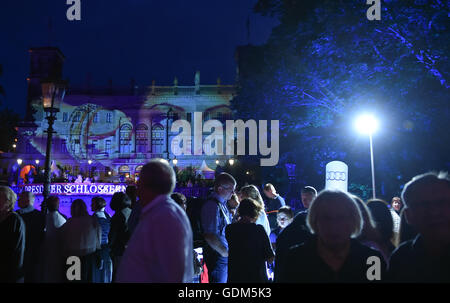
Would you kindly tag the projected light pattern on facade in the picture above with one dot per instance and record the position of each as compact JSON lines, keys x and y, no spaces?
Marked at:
{"x":103,"y":133}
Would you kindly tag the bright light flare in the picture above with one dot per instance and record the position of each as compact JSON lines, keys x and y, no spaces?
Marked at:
{"x":366,"y":124}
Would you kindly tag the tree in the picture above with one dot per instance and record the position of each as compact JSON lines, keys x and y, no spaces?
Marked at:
{"x":2,"y":90}
{"x":326,"y":61}
{"x":8,"y":124}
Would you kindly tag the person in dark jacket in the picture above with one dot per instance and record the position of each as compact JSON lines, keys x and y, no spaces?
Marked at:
{"x":181,"y":200}
{"x":12,"y":235}
{"x":249,"y":246}
{"x":407,"y":232}
{"x":104,"y":274}
{"x":384,"y":224}
{"x":273,"y":202}
{"x":34,"y":236}
{"x":119,"y":233}
{"x":51,"y":265}
{"x":297,"y":232}
{"x":332,"y":254}
{"x":425,"y":259}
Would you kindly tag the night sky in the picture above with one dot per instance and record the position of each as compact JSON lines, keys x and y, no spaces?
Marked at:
{"x":118,"y":40}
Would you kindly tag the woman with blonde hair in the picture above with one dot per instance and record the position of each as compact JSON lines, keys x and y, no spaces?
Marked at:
{"x":12,"y":233}
{"x":252,"y":192}
{"x":333,"y":254}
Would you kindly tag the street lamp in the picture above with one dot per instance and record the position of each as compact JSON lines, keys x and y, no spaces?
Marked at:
{"x":19,"y":162}
{"x":89,"y":168}
{"x":367,"y":124}
{"x":231,"y":161}
{"x":175,"y":161}
{"x":53,"y":92}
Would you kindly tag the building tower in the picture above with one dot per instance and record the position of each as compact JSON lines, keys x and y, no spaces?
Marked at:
{"x":45,"y":62}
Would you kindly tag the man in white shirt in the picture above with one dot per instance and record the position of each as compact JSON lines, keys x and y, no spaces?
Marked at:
{"x":160,"y":249}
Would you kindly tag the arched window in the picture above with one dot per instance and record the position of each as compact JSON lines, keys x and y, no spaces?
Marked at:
{"x":125,"y":139}
{"x":142,"y":138}
{"x":158,"y":139}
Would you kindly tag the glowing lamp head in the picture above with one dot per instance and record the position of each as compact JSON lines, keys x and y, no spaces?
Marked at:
{"x":217,"y":162}
{"x":89,"y":162}
{"x":366,"y":124}
{"x":53,"y":92}
{"x":37,"y":161}
{"x":175,"y":161}
{"x":19,"y":161}
{"x":231,"y":161}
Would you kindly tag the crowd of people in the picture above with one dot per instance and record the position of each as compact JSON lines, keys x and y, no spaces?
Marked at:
{"x":154,"y":235}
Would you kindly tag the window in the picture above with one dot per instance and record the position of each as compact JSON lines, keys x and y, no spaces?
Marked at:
{"x":125,"y":139}
{"x":108,"y":146}
{"x":189,"y":117}
{"x":92,"y":146}
{"x":124,"y":169}
{"x":142,"y":138}
{"x":108,"y":117}
{"x":95,"y":119}
{"x":76,"y":146}
{"x":63,"y":146}
{"x":158,"y":139}
{"x":65,"y":117}
{"x":77,"y":117}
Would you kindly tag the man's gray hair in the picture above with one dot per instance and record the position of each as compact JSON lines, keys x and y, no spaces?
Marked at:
{"x":419,"y":181}
{"x":158,"y":176}
{"x":327,"y":196}
{"x":10,"y":196}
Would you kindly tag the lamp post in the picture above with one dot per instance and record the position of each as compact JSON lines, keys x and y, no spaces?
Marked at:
{"x":37,"y":166}
{"x":168,"y":115}
{"x":19,"y":162}
{"x":90,"y":172}
{"x":367,"y":124}
{"x":53,"y":92}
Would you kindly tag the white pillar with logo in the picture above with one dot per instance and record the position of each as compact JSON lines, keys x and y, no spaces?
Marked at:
{"x":336,"y":176}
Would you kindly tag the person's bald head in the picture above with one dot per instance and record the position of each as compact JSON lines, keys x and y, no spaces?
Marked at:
{"x":26,"y":198}
{"x":157,"y":177}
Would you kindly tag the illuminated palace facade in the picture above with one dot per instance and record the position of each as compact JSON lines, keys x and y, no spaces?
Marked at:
{"x":108,"y":133}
